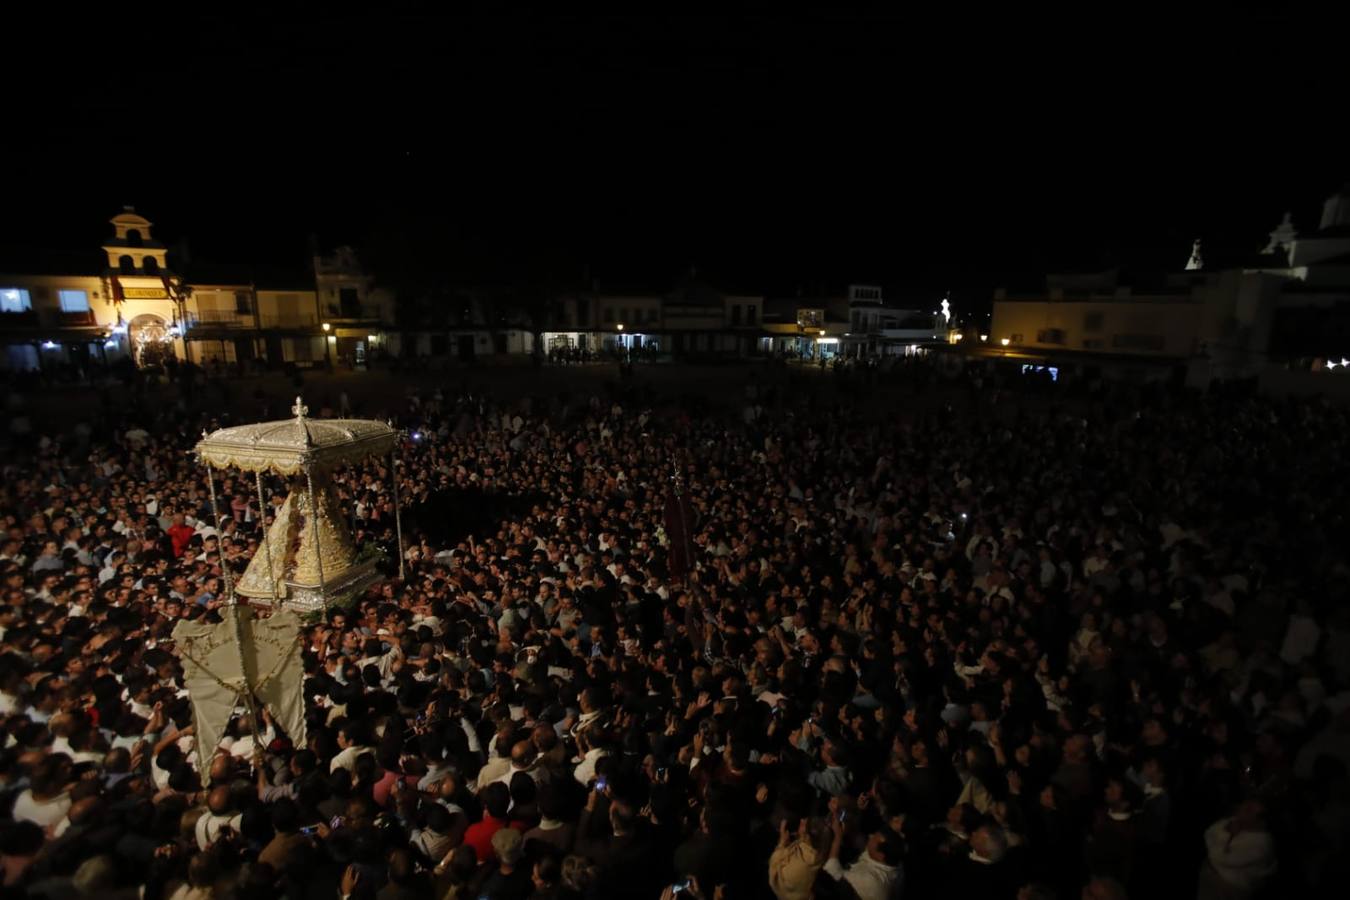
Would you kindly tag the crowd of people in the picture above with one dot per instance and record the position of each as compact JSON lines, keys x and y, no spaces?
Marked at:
{"x":1095,"y":648}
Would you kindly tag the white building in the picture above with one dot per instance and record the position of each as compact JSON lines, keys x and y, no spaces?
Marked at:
{"x":131,"y":303}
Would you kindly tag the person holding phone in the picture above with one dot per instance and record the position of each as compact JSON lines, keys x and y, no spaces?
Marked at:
{"x":290,"y":844}
{"x":795,"y":862}
{"x":876,"y":874}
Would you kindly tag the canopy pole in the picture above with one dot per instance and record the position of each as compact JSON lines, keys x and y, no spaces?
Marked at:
{"x":220,"y":537}
{"x":246,"y":688}
{"x":300,"y":409}
{"x":398,"y":515}
{"x":314,"y":525}
{"x":267,"y":540}
{"x":232,"y":608}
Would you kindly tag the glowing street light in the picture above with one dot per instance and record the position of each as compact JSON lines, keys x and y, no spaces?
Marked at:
{"x":822,"y":332}
{"x":326,"y":327}
{"x":621,"y":326}
{"x":984,"y":337}
{"x":1005,"y":342}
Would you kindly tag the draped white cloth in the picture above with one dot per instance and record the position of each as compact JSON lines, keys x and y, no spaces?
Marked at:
{"x":221,"y":662}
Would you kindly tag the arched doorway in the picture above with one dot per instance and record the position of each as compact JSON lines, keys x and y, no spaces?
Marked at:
{"x":151,"y":343}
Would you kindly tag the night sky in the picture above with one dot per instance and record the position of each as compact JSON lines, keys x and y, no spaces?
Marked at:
{"x":775,"y":154}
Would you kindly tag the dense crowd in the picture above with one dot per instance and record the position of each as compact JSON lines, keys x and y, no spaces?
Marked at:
{"x":1096,"y":648}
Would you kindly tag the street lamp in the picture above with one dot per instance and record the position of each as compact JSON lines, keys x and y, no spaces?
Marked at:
{"x":328,"y":344}
{"x":1004,"y":342}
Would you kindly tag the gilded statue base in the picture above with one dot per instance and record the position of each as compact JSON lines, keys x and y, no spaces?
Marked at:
{"x":304,"y":598}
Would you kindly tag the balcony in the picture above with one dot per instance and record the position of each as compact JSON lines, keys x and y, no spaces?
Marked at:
{"x":56,"y":318}
{"x":351,"y":312}
{"x":26,"y":319}
{"x":220,"y":318}
{"x":76,"y":319}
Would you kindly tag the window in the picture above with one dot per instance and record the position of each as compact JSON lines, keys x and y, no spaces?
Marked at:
{"x":73,"y":301}
{"x":151,"y":265}
{"x":350,"y":303}
{"x":134,"y":238}
{"x":736,"y":314}
{"x":1050,"y":336}
{"x":126,"y":265}
{"x":751,"y":314}
{"x":1093,"y":321}
{"x":15,"y":300}
{"x":1093,"y":343}
{"x":1015,"y":339}
{"x":242,"y":304}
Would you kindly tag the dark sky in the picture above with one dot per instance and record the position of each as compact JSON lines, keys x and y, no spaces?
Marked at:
{"x":772,"y":152}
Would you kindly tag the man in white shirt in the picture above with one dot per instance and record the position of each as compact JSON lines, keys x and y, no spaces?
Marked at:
{"x":217,"y":818}
{"x":1240,"y":854}
{"x":876,"y":874}
{"x":523,"y":759}
{"x":585,"y":770}
{"x":243,"y":746}
{"x":349,"y":751}
{"x":45,"y":802}
{"x":381,"y":659}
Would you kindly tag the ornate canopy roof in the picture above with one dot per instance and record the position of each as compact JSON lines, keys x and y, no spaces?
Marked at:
{"x":287,"y":446}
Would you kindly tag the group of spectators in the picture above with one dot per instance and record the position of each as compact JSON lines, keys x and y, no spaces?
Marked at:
{"x":1095,"y":648}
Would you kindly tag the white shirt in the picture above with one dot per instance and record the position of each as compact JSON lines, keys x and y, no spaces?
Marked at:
{"x":347,"y":758}
{"x":44,"y":813}
{"x":494,"y":770}
{"x":585,"y":771}
{"x":1243,"y":860}
{"x":242,"y":748}
{"x":870,"y":880}
{"x":210,"y":825}
{"x":434,"y":774}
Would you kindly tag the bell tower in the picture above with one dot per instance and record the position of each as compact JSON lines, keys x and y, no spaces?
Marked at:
{"x":150,"y":299}
{"x":131,"y":250}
